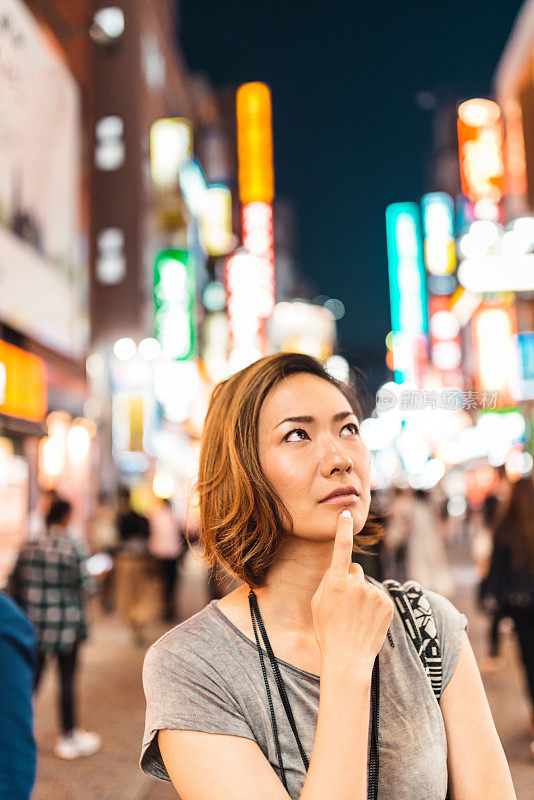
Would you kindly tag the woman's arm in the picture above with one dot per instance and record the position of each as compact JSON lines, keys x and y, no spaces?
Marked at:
{"x":478,"y":769}
{"x":205,"y":765}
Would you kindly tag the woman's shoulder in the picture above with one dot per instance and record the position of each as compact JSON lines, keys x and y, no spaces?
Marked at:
{"x":204,"y":644}
{"x":191,"y":634}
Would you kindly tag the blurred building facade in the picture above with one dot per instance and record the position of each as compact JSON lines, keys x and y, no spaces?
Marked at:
{"x":46,"y":94}
{"x":80,"y":221}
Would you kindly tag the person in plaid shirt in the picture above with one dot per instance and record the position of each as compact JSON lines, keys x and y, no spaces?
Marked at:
{"x":49,"y":582}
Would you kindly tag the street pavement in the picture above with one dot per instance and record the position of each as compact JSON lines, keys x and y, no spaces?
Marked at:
{"x":112,"y":702}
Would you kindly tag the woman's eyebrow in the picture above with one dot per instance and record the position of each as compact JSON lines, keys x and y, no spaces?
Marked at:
{"x":336,"y":418}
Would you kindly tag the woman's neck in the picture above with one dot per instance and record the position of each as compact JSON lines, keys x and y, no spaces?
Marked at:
{"x":285,"y":599}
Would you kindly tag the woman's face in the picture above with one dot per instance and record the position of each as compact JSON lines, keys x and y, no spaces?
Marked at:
{"x":311,"y":452}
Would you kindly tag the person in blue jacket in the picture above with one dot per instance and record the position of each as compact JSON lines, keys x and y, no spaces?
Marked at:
{"x":18,"y":750}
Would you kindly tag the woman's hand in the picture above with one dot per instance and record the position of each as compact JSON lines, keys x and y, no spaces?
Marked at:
{"x":350,"y":615}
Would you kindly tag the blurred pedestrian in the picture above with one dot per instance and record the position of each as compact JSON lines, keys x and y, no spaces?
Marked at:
{"x":37,"y":516}
{"x":139,"y":588}
{"x":397,"y":530}
{"x":18,"y":751}
{"x":49,"y":582}
{"x":510,"y":580}
{"x":426,"y":558}
{"x":167,"y":545}
{"x":482,"y":549}
{"x":133,"y":527}
{"x":104,"y":538}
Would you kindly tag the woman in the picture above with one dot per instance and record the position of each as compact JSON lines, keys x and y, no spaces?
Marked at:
{"x":49,"y":582}
{"x":284,"y":487}
{"x":509,"y":586}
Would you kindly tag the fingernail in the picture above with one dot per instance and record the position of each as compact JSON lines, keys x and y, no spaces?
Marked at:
{"x":346,"y":513}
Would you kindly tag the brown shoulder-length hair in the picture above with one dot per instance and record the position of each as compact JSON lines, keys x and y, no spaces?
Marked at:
{"x":241,"y":516}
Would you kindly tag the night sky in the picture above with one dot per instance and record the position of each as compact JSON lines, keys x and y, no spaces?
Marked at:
{"x":349,"y":137}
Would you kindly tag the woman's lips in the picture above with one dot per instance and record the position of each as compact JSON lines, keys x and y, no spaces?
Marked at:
{"x":340,"y":500}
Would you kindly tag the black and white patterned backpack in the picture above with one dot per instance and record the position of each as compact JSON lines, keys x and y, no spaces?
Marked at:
{"x":418,"y":619}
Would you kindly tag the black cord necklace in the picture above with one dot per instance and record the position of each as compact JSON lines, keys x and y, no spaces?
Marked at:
{"x":372,"y":783}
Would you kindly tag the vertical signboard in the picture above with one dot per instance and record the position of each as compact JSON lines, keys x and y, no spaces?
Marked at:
{"x":524,"y":390}
{"x":174,"y":304}
{"x":407,"y":286}
{"x":255,"y":143}
{"x":494,"y":329}
{"x":249,"y":304}
{"x":438,"y":229}
{"x":256,"y":192}
{"x":481,"y":150}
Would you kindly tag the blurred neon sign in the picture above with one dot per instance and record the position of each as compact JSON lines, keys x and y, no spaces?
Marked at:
{"x":524,"y":389}
{"x":438,"y":229}
{"x":494,"y":329}
{"x":171,"y":145}
{"x":445,"y":349}
{"x":250,"y":301}
{"x":498,"y":273}
{"x":216,"y":220}
{"x":407,"y":285}
{"x":174,"y":304}
{"x":255,"y":143}
{"x":481,"y":150}
{"x":23,"y":384}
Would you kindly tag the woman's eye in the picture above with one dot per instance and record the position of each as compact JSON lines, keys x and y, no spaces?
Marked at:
{"x":296,"y":435}
{"x":352,"y":428}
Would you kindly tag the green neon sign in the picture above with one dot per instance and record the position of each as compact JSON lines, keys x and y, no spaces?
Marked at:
{"x":174,"y":292}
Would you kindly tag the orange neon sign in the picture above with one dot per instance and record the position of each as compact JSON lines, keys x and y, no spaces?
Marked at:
{"x":494,"y":326}
{"x":255,"y":143}
{"x":23,"y":384}
{"x":481,"y":150}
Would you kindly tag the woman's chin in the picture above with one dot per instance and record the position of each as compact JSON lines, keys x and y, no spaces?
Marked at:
{"x":358,"y":510}
{"x":324,"y":529}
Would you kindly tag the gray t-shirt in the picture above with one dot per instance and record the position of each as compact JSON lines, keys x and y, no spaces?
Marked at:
{"x":205,"y":675}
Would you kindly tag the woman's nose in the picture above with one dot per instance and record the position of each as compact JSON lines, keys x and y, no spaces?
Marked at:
{"x":337,"y":461}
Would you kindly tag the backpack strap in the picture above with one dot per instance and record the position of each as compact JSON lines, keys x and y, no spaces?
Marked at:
{"x":420,"y":625}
